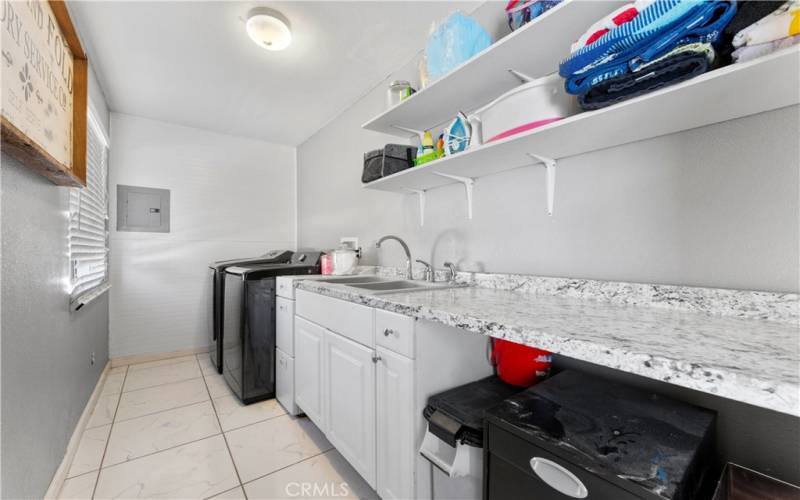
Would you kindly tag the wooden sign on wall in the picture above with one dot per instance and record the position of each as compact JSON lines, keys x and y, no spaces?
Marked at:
{"x":44,"y":84}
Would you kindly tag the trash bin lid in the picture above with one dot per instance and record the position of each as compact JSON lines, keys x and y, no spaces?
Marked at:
{"x":466,"y":405}
{"x":613,"y":429}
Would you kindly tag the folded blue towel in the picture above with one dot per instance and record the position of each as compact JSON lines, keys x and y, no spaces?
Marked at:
{"x":655,"y":17}
{"x":658,"y":29}
{"x":669,"y":71}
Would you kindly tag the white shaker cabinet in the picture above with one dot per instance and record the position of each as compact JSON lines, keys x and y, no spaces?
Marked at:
{"x":309,"y":340}
{"x":350,"y":390}
{"x":364,"y":376}
{"x":396,"y":443}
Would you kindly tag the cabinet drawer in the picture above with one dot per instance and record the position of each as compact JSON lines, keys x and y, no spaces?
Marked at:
{"x":353,"y":321}
{"x":511,"y":476}
{"x":395,"y":332}
{"x":284,"y":287}
{"x":284,"y":325}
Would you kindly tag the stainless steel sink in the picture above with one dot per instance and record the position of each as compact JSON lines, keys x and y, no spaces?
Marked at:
{"x":351,"y":279}
{"x":401,"y":286}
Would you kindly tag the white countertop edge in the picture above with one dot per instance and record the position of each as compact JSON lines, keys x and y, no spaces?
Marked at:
{"x":773,"y":395}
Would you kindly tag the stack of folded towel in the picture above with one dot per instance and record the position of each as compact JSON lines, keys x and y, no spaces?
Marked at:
{"x":644,"y":46}
{"x":779,"y":29}
{"x":747,"y":12}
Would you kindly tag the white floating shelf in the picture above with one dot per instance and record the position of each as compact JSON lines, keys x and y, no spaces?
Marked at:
{"x":535,"y":50}
{"x":735,"y":91}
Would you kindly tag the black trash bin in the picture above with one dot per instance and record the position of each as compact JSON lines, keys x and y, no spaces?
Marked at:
{"x":579,"y":436}
{"x":454,"y":441}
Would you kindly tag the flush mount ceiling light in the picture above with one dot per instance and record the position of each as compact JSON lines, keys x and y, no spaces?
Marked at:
{"x":268,"y":28}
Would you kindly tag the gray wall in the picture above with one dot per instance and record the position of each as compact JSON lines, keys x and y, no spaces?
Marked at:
{"x":46,"y":375}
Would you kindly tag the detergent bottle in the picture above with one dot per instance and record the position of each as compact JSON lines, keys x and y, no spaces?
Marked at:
{"x":426,"y":151}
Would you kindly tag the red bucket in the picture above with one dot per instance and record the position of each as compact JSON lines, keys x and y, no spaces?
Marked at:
{"x":518,"y":364}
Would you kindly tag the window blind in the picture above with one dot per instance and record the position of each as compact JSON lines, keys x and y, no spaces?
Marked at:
{"x":88,"y":228}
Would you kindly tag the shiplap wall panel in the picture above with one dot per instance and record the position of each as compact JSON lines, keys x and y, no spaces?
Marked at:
{"x":230,"y":197}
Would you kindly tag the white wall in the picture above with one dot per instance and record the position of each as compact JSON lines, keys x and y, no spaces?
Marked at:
{"x":716,"y":206}
{"x":230,"y":197}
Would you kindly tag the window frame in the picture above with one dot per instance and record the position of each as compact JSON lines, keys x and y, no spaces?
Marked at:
{"x":80,"y":299}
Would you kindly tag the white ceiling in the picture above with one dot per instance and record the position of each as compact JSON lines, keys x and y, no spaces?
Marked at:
{"x":192,"y":63}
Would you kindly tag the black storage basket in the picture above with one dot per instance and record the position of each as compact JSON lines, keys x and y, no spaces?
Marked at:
{"x":391,"y":159}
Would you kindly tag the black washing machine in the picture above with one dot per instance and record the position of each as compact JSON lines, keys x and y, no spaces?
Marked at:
{"x":215,"y":320}
{"x":248,"y":356}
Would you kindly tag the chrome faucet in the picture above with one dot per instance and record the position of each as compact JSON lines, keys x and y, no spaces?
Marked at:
{"x":429,"y":273}
{"x":405,"y":248}
{"x":452,"y":268}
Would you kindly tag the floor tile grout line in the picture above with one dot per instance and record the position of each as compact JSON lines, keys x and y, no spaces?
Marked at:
{"x":103,"y":393}
{"x":241,"y":484}
{"x":110,"y":466}
{"x":287,"y":466}
{"x":166,"y":362}
{"x":171,"y":447}
{"x":222,"y":432}
{"x":108,"y":438}
{"x":122,"y":389}
{"x":172,"y":362}
{"x":164,"y":383}
{"x":66,"y":479}
{"x":161,"y":411}
{"x":159,"y":385}
{"x":224,"y":437}
{"x":114,"y":420}
{"x":202,"y":376}
{"x":253,"y":423}
{"x":81,"y":475}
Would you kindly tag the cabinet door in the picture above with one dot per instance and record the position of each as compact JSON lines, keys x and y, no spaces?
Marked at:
{"x":309,"y":369}
{"x":284,"y":325}
{"x":351,"y":402}
{"x":395,"y":420}
{"x":284,"y":381}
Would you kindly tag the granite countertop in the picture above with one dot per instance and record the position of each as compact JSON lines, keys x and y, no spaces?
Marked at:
{"x":748,"y":360}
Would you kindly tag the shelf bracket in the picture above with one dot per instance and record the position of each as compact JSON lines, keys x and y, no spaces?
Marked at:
{"x":550,"y":167}
{"x":418,"y":133}
{"x":469,"y":184}
{"x":421,"y":194}
{"x":521,"y":76}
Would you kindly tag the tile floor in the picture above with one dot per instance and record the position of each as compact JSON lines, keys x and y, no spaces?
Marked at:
{"x":172,"y":429}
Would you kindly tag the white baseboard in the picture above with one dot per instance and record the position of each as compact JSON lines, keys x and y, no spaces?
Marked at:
{"x":143,"y":358}
{"x":61,"y":473}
